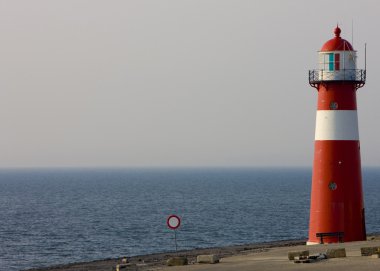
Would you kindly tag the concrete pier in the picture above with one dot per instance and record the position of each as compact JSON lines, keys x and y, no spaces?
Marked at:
{"x":277,"y":259}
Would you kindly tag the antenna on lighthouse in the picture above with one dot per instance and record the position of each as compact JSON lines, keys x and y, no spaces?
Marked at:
{"x":365,"y":56}
{"x":352,"y":32}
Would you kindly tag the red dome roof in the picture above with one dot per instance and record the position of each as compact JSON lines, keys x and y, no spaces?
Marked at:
{"x":337,"y":43}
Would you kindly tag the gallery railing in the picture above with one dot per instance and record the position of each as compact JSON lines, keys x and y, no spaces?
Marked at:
{"x":317,"y":77}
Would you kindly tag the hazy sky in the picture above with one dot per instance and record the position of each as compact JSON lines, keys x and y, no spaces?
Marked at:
{"x":173,"y":83}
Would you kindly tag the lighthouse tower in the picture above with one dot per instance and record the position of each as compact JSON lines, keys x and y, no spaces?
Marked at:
{"x":337,"y":207}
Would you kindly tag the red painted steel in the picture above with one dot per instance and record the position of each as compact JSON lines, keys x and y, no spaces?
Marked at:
{"x":342,"y":94}
{"x":336,"y":196}
{"x":337,"y":43}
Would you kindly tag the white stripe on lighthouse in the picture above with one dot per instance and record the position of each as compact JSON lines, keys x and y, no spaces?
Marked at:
{"x":337,"y":125}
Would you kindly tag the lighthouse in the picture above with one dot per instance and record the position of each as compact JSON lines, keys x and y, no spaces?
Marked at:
{"x":336,"y":205}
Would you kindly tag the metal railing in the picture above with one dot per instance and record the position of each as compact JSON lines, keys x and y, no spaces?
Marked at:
{"x":322,"y":76}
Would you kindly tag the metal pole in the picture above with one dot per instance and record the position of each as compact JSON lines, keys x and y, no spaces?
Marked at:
{"x":365,"y":56}
{"x":175,"y":240}
{"x":352,"y":32}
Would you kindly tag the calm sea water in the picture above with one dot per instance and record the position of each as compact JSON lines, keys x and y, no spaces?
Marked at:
{"x":50,"y":217}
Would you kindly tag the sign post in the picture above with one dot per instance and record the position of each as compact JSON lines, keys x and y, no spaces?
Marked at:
{"x":173,"y":223}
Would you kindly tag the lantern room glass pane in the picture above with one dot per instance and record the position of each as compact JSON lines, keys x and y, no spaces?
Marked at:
{"x":331,"y":62}
{"x":337,"y":62}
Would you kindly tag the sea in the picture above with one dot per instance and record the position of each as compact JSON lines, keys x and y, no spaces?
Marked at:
{"x":58,"y":216}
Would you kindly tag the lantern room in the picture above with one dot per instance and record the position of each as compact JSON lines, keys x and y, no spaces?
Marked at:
{"x":337,"y":62}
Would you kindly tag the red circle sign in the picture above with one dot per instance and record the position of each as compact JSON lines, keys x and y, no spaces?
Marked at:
{"x":173,"y":222}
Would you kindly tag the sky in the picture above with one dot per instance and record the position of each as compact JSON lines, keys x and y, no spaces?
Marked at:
{"x":162,"y":83}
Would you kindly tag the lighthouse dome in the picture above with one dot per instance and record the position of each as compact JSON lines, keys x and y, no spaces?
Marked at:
{"x":337,"y":43}
{"x":337,"y":62}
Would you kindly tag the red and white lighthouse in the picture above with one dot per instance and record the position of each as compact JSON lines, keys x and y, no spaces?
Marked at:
{"x":337,"y":207}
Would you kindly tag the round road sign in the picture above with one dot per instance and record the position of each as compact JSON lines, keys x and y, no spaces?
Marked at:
{"x":173,"y":222}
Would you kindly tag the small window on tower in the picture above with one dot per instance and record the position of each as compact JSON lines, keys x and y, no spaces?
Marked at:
{"x":333,"y":186}
{"x":333,"y":105}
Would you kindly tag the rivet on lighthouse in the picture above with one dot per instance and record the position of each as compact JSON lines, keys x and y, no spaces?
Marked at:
{"x":336,"y":206}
